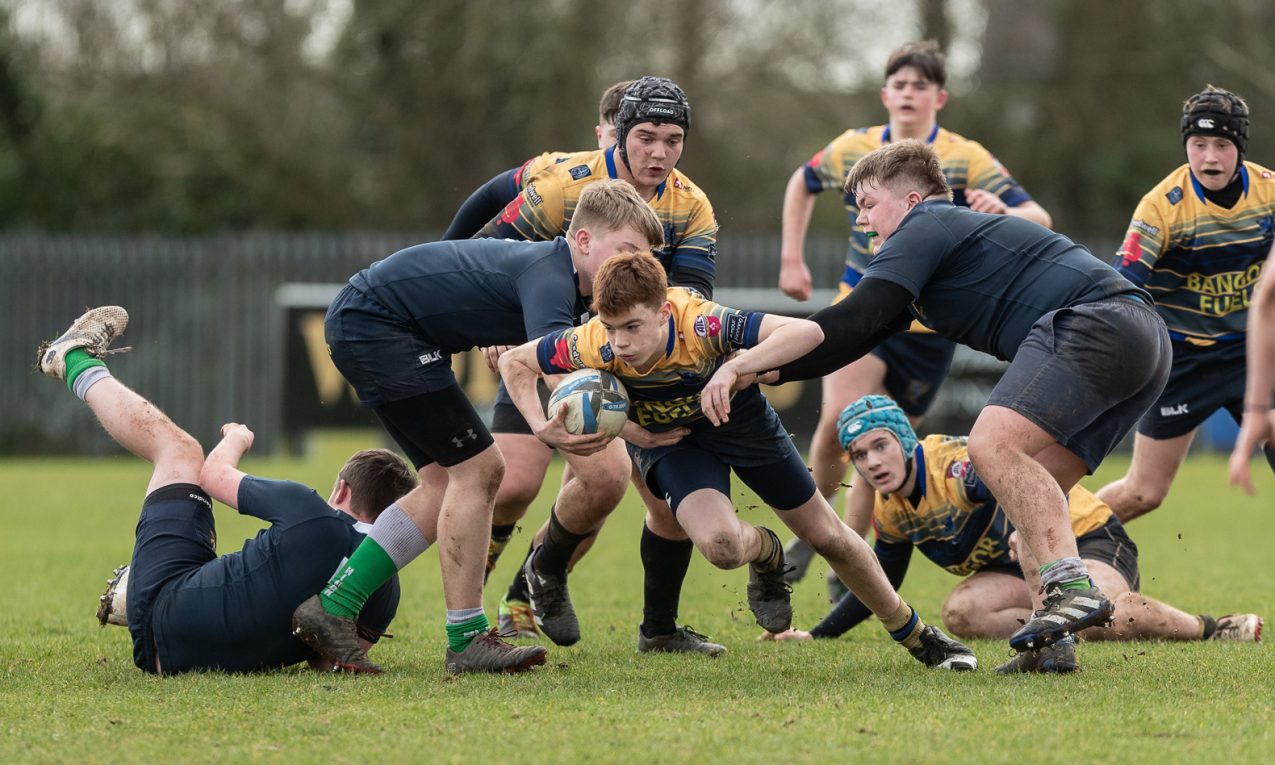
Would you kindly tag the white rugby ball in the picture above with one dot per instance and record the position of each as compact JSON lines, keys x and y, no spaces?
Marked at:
{"x":595,"y":400}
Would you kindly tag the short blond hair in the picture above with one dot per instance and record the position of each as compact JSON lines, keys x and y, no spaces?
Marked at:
{"x":903,"y":166}
{"x":610,"y":204}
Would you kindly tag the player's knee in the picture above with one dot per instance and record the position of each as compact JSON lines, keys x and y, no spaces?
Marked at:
{"x":959,"y":617}
{"x":517,"y":492}
{"x":605,"y":487}
{"x":481,"y":473}
{"x":180,"y":450}
{"x":723,"y":550}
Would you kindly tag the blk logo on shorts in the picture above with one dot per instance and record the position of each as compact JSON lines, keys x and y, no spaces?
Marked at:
{"x":1173,"y":411}
{"x":431,"y":357}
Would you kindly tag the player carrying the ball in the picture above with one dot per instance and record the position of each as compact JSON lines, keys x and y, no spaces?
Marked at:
{"x":667,"y":345}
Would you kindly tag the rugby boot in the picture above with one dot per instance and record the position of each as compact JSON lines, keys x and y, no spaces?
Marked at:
{"x":770,"y":597}
{"x":683,"y":640}
{"x":94,"y":332}
{"x":516,"y":619}
{"x":1059,"y":657}
{"x":551,"y":604}
{"x":938,"y":651}
{"x":335,"y":638}
{"x":1245,"y":628}
{"x":1066,"y":612}
{"x":798,"y":555}
{"x":112,"y":607}
{"x":488,"y":653}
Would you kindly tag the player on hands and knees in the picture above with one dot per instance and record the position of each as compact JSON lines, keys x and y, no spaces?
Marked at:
{"x":1027,"y":295}
{"x":669,"y":347}
{"x":912,"y":365}
{"x":1197,"y":242}
{"x":186,"y":608}
{"x":925,"y":495}
{"x":392,"y":332}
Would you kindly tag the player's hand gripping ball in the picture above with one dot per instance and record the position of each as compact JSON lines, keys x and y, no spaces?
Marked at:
{"x":595,"y":401}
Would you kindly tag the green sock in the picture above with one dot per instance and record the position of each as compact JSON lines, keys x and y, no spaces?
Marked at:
{"x":1082,"y":583}
{"x":77,"y":361}
{"x":461,"y":634}
{"x":368,"y":568}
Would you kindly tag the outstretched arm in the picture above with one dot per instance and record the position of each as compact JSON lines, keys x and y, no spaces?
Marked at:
{"x":874,"y":310}
{"x":221,"y":475}
{"x":781,"y":339}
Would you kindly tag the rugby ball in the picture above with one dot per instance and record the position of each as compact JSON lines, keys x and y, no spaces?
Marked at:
{"x":595,"y":401}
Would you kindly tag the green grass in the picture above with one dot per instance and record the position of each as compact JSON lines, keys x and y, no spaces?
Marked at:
{"x":69,"y":692}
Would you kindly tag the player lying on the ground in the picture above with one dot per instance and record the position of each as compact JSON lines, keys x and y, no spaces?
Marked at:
{"x":186,"y":608}
{"x":489,"y":199}
{"x":926,"y":495}
{"x":668,"y":347}
{"x":1258,"y":425}
{"x":912,"y":365}
{"x":1197,"y":242}
{"x":1009,"y":287}
{"x":392,"y":331}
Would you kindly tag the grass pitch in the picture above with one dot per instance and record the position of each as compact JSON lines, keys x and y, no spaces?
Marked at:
{"x":69,"y":692}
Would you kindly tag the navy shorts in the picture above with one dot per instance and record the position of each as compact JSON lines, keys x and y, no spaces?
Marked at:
{"x":383,"y":356}
{"x":1108,"y":543}
{"x":505,"y":415}
{"x":1111,"y":544}
{"x":916,"y":363}
{"x":753,"y":443}
{"x":175,"y":537}
{"x":1087,"y":374}
{"x":1203,"y":380}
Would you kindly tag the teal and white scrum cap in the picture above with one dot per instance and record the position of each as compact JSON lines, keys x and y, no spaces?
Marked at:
{"x":875,"y":413}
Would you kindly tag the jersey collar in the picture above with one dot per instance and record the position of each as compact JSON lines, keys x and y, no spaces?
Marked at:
{"x":885,"y":134}
{"x":1198,"y":188}
{"x":918,"y":464}
{"x":609,"y":154}
{"x":672,"y":336}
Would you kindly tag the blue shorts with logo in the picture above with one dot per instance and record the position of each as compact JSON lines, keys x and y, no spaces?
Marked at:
{"x":1086,"y":374}
{"x":1203,"y":379}
{"x":753,"y":443}
{"x":383,"y":357}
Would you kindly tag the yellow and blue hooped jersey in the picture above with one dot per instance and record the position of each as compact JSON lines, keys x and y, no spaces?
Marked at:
{"x":1197,"y":259}
{"x":957,"y":522}
{"x":700,"y":334}
{"x":966,"y":164}
{"x":544,"y":207}
{"x":541,"y":162}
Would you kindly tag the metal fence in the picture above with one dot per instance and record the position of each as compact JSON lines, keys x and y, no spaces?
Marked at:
{"x":209,"y":333}
{"x":203,"y":321}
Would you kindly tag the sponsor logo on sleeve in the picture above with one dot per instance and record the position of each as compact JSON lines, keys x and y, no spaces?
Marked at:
{"x":580,"y":171}
{"x":1145,"y":227}
{"x":533,"y":196}
{"x":701,"y":327}
{"x":736,"y":326}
